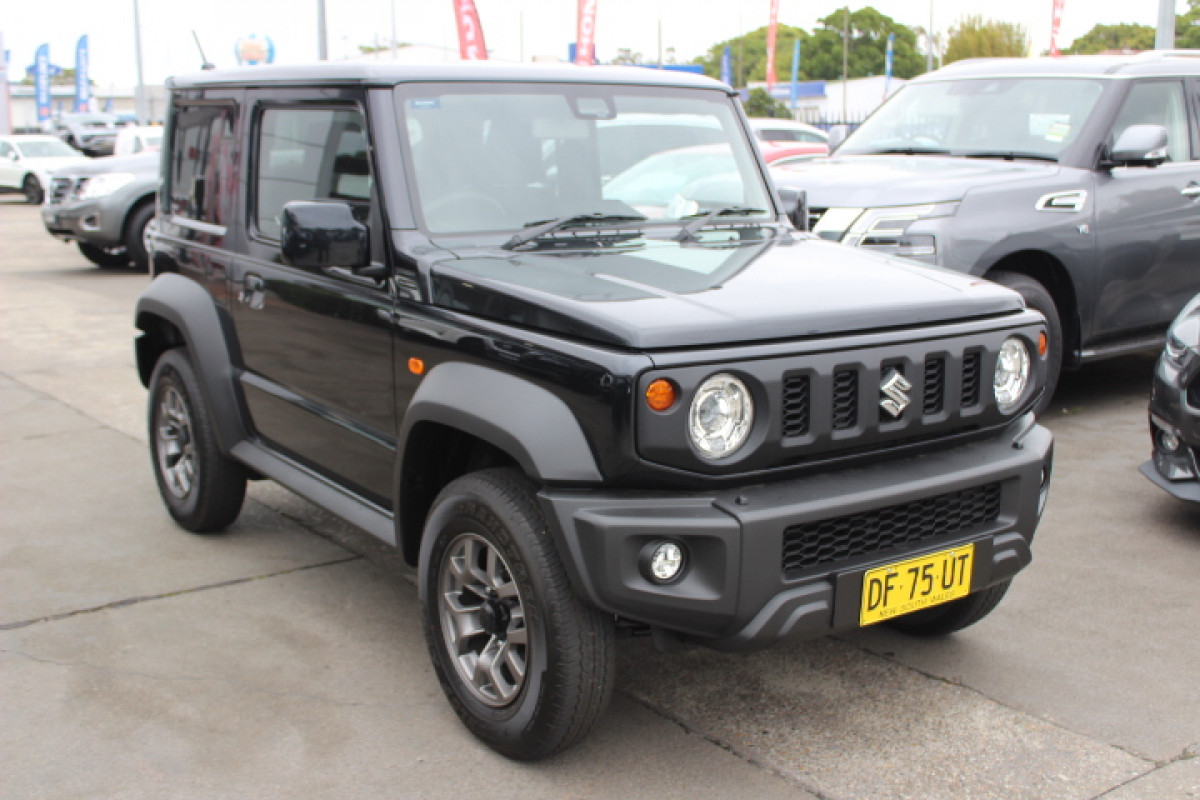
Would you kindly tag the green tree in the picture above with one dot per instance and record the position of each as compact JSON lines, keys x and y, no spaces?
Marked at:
{"x":65,"y":78}
{"x":760,"y":104}
{"x":749,"y":55}
{"x":975,"y":37}
{"x":869,"y":30}
{"x":1187,"y":28}
{"x":1125,"y":36}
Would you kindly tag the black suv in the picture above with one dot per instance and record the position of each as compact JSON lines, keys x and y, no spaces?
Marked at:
{"x":1073,"y":180}
{"x":582,"y":383}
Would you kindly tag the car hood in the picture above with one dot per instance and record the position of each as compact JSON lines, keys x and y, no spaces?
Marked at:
{"x":852,"y":181}
{"x":47,"y":165}
{"x":663,"y":294}
{"x":143,"y":165}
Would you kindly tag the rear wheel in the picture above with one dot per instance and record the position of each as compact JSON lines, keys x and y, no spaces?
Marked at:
{"x":31,"y":187}
{"x":952,"y":616}
{"x":135,"y":231}
{"x":525,"y":663}
{"x":104,"y":256}
{"x":1037,"y":298}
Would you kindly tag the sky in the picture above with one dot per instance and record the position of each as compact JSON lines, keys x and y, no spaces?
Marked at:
{"x":513,"y":29}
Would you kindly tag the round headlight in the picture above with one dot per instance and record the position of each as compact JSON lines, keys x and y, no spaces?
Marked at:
{"x":1012,"y":374}
{"x":721,"y":415}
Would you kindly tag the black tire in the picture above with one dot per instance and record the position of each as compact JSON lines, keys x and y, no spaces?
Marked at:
{"x":553,"y":655}
{"x":953,"y":616}
{"x":202,"y":489}
{"x":104,"y":256}
{"x":31,"y":187}
{"x":1037,"y":298}
{"x":135,"y":229}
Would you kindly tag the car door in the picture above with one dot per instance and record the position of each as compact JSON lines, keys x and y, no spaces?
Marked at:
{"x":10,"y":169}
{"x":1148,"y":221}
{"x":315,"y":342}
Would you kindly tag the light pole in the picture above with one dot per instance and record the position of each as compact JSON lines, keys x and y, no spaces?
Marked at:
{"x":139,"y":102}
{"x":322,"y":40}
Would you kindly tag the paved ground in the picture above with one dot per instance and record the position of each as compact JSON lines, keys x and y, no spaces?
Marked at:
{"x":283,"y":659}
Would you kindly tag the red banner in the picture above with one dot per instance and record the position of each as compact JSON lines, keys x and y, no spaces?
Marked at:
{"x":470,"y":32}
{"x":1055,"y":24}
{"x":772,"y":29}
{"x":585,"y":33}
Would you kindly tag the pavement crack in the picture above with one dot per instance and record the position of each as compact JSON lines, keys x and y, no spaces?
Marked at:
{"x":131,"y":601}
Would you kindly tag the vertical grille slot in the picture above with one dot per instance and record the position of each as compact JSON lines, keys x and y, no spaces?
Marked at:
{"x":797,"y":405}
{"x":935,"y":385}
{"x":845,"y":399}
{"x":971,"y":378}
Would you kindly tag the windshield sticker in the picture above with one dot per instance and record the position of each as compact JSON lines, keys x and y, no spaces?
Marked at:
{"x":1058,"y":132}
{"x":1044,"y":125}
{"x":425,"y":103}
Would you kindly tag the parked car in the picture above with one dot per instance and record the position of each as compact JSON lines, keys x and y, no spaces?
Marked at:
{"x":133,"y":139}
{"x":418,"y":297}
{"x":1175,"y":409}
{"x":791,"y":152}
{"x":92,"y":133}
{"x":769,"y":129}
{"x":104,"y":205}
{"x":1073,"y":180}
{"x":27,"y":161}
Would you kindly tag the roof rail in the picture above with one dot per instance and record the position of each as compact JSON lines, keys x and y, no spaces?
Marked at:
{"x":1155,"y":55}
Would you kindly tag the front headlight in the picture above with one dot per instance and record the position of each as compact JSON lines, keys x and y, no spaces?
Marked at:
{"x":887,"y":230}
{"x":103,"y":185}
{"x":1012,"y":374}
{"x":721,"y":416}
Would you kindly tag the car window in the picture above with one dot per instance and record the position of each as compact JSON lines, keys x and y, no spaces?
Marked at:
{"x":201,"y":181}
{"x":5,"y":150}
{"x":310,"y":154}
{"x":1157,"y":103}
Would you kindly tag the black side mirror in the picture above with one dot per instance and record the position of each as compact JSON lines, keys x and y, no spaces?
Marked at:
{"x":795,"y":206}
{"x":319,"y":235}
{"x":1139,"y":145}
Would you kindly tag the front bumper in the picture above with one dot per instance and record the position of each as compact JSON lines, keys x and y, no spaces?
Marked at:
{"x":737,"y":593}
{"x":99,"y":222}
{"x":1172,"y":417}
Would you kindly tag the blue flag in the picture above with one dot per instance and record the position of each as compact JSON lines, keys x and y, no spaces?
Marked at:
{"x":83,"y":87}
{"x":795,"y":71}
{"x":887,"y":64}
{"x":727,"y":66}
{"x":41,"y":81}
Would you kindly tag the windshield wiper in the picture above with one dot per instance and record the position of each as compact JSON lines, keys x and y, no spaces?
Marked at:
{"x":905,"y":151}
{"x":541,"y":227}
{"x":1009,"y":155}
{"x":700,"y":219}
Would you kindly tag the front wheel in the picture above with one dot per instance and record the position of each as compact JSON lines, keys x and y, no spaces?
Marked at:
{"x":33,"y":191}
{"x":953,"y":616}
{"x":135,"y":236}
{"x":526,"y":664}
{"x":1037,"y":298}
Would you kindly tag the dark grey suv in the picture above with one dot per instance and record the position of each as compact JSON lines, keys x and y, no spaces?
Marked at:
{"x":1074,"y":180}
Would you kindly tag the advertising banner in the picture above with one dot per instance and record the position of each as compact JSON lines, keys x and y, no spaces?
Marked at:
{"x":83,"y":87}
{"x":772,"y":29}
{"x":585,"y":36}
{"x":41,"y":81}
{"x":470,"y":33}
{"x":1055,"y":24}
{"x":727,"y":66}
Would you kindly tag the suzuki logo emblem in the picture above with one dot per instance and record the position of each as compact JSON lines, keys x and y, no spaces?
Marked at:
{"x":895,"y":394}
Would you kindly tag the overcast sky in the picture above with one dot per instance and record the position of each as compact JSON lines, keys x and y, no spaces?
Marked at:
{"x":512,"y":28}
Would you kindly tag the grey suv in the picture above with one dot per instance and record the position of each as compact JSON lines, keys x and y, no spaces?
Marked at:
{"x":1075,"y":181}
{"x":94,"y":134}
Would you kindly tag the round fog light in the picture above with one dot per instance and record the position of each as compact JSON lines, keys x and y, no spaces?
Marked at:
{"x":1168,"y":440}
{"x":662,"y":562}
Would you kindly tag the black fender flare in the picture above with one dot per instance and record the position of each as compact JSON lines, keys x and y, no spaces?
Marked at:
{"x":523,"y":419}
{"x":194,"y":313}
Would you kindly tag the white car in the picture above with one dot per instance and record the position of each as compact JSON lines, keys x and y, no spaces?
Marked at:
{"x":787,"y":130}
{"x":27,"y":161}
{"x":138,"y":139}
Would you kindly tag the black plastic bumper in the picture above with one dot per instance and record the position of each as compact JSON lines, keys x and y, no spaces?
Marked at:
{"x":1175,"y":471}
{"x":735,"y":592}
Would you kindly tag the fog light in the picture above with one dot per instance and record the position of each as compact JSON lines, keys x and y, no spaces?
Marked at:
{"x":663,"y":561}
{"x":1167,"y":440}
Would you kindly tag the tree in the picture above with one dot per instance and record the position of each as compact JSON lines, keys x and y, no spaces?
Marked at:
{"x":975,"y":37}
{"x":1187,"y":27}
{"x":869,"y":30}
{"x":760,"y":104}
{"x":749,"y":53}
{"x":627,"y":56}
{"x":1124,"y":36}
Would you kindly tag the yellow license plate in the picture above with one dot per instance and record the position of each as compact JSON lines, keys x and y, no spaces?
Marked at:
{"x":917,"y":583}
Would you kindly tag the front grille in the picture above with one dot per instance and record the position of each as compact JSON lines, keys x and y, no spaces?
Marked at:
{"x":60,"y":189}
{"x":845,"y":399}
{"x":935,"y":385}
{"x":797,"y":407}
{"x":828,"y":541}
{"x":971,"y":378}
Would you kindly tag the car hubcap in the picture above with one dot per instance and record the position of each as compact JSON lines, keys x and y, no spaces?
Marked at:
{"x":176,"y":452}
{"x":483,"y":620}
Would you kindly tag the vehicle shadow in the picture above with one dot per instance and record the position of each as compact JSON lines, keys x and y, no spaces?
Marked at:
{"x":1104,"y":383}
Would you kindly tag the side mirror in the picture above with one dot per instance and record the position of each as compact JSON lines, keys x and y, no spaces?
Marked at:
{"x":795,"y":206}
{"x":837,"y":135}
{"x":319,"y":235}
{"x":1139,"y":145}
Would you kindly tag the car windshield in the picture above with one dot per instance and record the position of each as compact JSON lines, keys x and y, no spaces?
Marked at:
{"x":503,"y":157}
{"x":46,"y":148}
{"x":96,"y":120}
{"x":1001,"y":117}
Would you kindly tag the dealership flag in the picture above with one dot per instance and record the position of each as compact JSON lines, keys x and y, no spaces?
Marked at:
{"x":1055,"y":24}
{"x":470,"y":32}
{"x":727,"y":66}
{"x":771,"y":31}
{"x":887,"y":64}
{"x":83,"y":88}
{"x":585,"y":34}
{"x":41,"y":81}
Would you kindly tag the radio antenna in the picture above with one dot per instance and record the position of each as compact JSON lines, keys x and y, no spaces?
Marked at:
{"x":204,"y":62}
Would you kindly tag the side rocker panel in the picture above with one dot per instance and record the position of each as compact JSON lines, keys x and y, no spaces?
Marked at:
{"x":192,"y":311}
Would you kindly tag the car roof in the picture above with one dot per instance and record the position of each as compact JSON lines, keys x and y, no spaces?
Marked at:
{"x":1149,"y":63}
{"x":390,"y":74}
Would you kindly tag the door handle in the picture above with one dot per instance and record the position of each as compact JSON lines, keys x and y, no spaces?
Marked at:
{"x":1191,"y":190}
{"x":254,"y":292}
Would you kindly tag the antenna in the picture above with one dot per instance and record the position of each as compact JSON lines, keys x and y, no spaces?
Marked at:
{"x":204,"y":62}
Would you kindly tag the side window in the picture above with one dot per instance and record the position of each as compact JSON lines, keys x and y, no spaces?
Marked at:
{"x":310,"y":154}
{"x":202,"y":183}
{"x":6,"y":150}
{"x":1158,"y":103}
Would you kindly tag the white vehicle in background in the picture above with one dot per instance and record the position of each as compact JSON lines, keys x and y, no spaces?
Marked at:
{"x":138,"y":139}
{"x":26,"y":162}
{"x":769,"y":129}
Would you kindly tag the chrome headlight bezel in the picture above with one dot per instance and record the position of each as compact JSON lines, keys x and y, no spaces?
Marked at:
{"x":887,"y":230}
{"x":1012,"y":377}
{"x":720,"y":416}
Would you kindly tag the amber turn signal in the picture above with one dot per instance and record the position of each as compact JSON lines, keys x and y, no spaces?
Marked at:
{"x":1043,"y":344}
{"x":416,"y":366}
{"x":660,"y":395}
